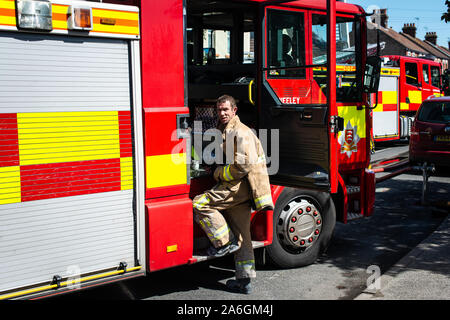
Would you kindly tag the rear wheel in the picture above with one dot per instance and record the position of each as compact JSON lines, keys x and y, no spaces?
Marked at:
{"x":304,"y":221}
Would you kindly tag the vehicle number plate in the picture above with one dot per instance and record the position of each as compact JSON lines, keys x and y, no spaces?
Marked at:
{"x":443,"y":138}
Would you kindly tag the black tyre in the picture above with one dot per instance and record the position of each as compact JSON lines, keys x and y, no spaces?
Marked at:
{"x":303,"y":225}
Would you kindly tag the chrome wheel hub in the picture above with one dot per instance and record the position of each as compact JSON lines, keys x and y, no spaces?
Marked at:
{"x":299,"y":225}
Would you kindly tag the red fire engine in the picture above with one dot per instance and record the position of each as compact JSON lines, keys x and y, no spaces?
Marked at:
{"x":404,"y":83}
{"x":98,"y":111}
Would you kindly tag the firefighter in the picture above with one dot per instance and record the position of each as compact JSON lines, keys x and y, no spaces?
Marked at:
{"x":224,"y":212}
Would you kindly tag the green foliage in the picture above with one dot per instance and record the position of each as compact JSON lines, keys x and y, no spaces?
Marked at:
{"x":446,"y":15}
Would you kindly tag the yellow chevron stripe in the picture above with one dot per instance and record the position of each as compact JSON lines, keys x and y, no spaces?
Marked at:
{"x":356,"y":117}
{"x":126,"y":173}
{"x":115,"y":29}
{"x":10,"y":185}
{"x":51,"y":137}
{"x":114,"y":14}
{"x":166,"y":170}
{"x":415,"y":96}
{"x":7,"y":4}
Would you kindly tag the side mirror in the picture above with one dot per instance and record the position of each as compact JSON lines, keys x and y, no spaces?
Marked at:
{"x":372,"y":74}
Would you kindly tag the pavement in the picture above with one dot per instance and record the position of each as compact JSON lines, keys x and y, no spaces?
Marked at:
{"x":423,"y":274}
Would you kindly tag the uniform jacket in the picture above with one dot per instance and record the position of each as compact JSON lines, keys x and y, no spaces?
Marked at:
{"x":244,"y":159}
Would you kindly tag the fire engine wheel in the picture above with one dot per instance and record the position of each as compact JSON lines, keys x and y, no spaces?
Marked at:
{"x":304,"y":221}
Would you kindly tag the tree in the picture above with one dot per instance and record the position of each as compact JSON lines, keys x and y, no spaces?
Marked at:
{"x":446,"y":15}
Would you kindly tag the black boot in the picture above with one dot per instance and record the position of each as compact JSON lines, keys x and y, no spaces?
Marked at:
{"x":230,"y":247}
{"x":240,"y":285}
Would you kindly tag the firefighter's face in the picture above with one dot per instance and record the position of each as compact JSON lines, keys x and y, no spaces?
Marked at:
{"x":226,"y":112}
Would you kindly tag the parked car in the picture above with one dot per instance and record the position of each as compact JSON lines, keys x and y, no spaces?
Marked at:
{"x":430,"y":133}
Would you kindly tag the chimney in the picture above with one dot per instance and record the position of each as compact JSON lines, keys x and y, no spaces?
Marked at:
{"x":384,"y":18}
{"x":431,"y":37}
{"x":410,"y":28}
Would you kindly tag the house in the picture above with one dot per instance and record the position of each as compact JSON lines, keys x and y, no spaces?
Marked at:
{"x":405,"y":43}
{"x":392,"y":42}
{"x":429,"y":44}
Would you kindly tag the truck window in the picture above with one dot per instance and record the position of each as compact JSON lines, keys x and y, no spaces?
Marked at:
{"x":319,"y":39}
{"x":249,"y":47}
{"x":411,"y":73}
{"x":425,"y":72}
{"x":347,"y":35}
{"x":286,"y":47}
{"x":216,"y":46}
{"x":435,"y":77}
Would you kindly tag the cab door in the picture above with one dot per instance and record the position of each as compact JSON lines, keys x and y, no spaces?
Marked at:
{"x":293,"y":106}
{"x":411,"y":78}
{"x":427,"y":89}
{"x":435,"y":73}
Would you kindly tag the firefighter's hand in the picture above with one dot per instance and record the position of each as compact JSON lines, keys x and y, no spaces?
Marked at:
{"x":208,"y":170}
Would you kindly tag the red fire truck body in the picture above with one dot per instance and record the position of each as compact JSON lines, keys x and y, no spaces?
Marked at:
{"x":137,"y":75}
{"x":404,"y":83}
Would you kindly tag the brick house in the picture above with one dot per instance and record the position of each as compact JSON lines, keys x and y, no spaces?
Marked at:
{"x":405,"y":43}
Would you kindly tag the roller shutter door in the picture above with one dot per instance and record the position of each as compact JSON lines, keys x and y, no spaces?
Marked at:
{"x":385,"y":116}
{"x":66,"y":158}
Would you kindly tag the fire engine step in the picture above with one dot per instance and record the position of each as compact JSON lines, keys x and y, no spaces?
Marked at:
{"x":199,"y":257}
{"x":354,"y":216}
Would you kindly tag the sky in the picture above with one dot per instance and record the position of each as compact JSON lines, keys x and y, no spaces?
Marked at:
{"x":426,"y":14}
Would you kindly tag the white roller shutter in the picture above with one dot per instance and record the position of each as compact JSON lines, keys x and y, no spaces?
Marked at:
{"x":57,"y":73}
{"x":66,"y":158}
{"x":385,"y":123}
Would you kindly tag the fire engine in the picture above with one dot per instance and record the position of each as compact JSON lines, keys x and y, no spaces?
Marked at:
{"x":98,"y":107}
{"x":404,"y":83}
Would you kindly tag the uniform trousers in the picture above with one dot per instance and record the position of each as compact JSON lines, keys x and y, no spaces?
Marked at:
{"x":224,"y":212}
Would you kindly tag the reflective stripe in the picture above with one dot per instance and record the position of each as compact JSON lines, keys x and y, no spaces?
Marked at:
{"x":67,"y":283}
{"x":246,"y":262}
{"x":218,"y":234}
{"x":227,"y":174}
{"x":204,"y":221}
{"x":245,"y":269}
{"x":262,"y":201}
{"x":221,"y":232}
{"x":201,"y":202}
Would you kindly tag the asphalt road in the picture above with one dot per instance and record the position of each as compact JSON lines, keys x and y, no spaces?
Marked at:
{"x":398,"y":224}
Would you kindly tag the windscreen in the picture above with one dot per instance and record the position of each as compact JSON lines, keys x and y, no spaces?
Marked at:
{"x":348,"y":82}
{"x":435,"y":112}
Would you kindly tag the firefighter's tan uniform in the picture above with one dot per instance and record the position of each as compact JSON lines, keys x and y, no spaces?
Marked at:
{"x":241,"y":182}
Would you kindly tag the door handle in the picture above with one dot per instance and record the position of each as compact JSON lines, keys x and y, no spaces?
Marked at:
{"x":336,"y":124}
{"x":250,"y":92}
{"x":182,"y":126}
{"x":305,"y":116}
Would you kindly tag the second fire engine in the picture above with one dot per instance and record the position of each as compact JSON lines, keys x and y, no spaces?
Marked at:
{"x":404,"y":83}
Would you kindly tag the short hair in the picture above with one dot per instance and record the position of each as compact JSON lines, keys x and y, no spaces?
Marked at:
{"x":225,"y":98}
